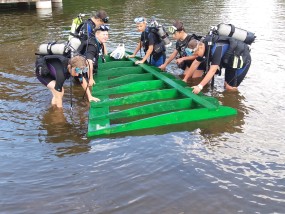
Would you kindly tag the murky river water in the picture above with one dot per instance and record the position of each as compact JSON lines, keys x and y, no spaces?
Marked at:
{"x":233,"y":165}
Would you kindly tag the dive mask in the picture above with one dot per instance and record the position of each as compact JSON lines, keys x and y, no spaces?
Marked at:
{"x":172,"y":29}
{"x":189,"y":51}
{"x":104,"y":28}
{"x":106,"y":19}
{"x":139,"y":20}
{"x":81,"y":70}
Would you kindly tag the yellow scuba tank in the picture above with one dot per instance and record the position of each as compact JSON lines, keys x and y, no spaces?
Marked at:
{"x":75,"y":24}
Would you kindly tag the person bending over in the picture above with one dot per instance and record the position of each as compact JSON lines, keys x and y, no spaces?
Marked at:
{"x":53,"y":70}
{"x":218,"y":58}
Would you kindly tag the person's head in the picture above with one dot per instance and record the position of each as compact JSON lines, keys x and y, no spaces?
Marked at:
{"x":102,"y":34}
{"x":100,"y":17}
{"x":141,"y":23}
{"x":192,"y":47}
{"x":177,"y":30}
{"x":195,"y":47}
{"x":77,"y":65}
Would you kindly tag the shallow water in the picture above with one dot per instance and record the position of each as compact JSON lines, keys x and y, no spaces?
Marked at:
{"x":232,"y":165}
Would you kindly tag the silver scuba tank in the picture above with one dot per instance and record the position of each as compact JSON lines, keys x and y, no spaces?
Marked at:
{"x":52,"y":48}
{"x":237,"y":33}
{"x":164,"y":36}
{"x":74,"y":44}
{"x":161,"y":32}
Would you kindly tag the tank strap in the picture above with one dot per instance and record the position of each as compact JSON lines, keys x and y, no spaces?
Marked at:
{"x":49,"y":45}
{"x":232,"y":30}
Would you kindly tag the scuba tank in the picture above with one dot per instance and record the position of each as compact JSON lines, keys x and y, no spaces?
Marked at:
{"x":75,"y":24}
{"x":163,"y":35}
{"x":52,"y":49}
{"x":236,"y":33}
{"x":74,"y":44}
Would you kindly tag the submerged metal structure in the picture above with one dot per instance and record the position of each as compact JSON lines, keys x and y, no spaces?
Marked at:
{"x":135,"y":97}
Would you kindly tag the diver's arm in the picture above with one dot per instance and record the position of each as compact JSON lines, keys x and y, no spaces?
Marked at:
{"x":90,"y":72}
{"x":147,"y":54}
{"x":206,"y":79}
{"x":84,"y":85}
{"x":190,"y":71}
{"x":167,"y":61}
{"x":105,"y":49}
{"x":136,"y":50}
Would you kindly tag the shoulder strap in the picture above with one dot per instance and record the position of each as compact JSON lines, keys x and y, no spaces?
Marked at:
{"x":188,"y":38}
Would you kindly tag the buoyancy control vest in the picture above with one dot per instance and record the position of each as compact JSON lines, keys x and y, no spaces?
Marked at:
{"x":158,"y":46}
{"x":59,"y":62}
{"x":86,"y":30}
{"x":80,"y":28}
{"x":236,"y":49}
{"x":81,"y":31}
{"x":160,"y":31}
{"x":237,"y":54}
{"x":162,"y":40}
{"x":234,"y":53}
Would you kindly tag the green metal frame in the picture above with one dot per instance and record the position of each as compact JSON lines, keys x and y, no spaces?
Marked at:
{"x":146,"y":98}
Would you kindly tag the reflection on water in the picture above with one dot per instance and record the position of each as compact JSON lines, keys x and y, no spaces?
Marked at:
{"x":228,"y":165}
{"x":44,"y":13}
{"x":68,"y":134}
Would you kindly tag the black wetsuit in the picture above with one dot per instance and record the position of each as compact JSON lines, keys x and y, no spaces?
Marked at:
{"x":158,"y":54}
{"x":233,"y":76}
{"x":92,"y":49}
{"x":86,"y":30}
{"x":57,"y":70}
{"x":180,"y":47}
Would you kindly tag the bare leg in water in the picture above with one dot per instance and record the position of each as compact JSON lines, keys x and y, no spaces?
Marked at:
{"x":56,"y":95}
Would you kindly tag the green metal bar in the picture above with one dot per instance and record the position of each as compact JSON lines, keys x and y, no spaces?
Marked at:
{"x":165,"y":119}
{"x":196,"y":98}
{"x":132,"y":87}
{"x":163,"y":106}
{"x":104,"y":123}
{"x":123,"y":80}
{"x":118,"y":71}
{"x":125,"y":71}
{"x":115,"y":64}
{"x":137,"y":98}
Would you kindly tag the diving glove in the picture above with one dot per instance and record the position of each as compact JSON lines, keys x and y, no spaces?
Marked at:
{"x":119,"y":52}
